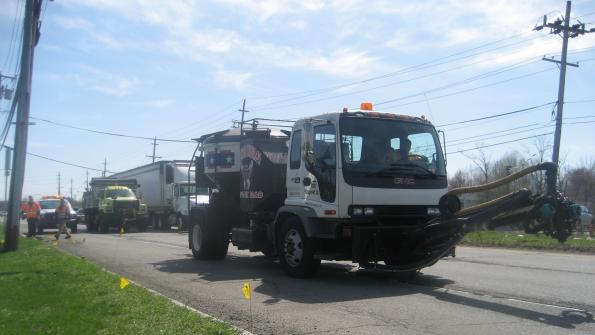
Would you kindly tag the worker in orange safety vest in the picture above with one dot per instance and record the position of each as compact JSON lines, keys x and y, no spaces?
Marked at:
{"x":30,"y":211}
{"x":62,"y":214}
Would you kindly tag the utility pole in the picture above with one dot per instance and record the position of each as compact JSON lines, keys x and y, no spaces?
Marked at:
{"x":563,"y":26}
{"x":104,"y":167}
{"x":7,"y":159}
{"x":30,"y":38}
{"x":71,"y":197}
{"x":155,"y":144}
{"x":87,"y":178}
{"x":59,"y":185}
{"x":243,"y":110}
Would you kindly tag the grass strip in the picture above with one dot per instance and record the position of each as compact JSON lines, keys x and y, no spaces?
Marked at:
{"x":45,"y":291}
{"x":528,"y":241}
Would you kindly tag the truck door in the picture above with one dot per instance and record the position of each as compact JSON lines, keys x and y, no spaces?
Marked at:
{"x":295,"y":168}
{"x":311,"y":173}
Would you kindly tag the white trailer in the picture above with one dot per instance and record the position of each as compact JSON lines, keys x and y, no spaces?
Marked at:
{"x":169,"y":190}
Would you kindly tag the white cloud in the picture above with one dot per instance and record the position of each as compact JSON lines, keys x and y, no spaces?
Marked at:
{"x":265,"y":9}
{"x":97,"y":80}
{"x":226,"y":78}
{"x":161,"y":103}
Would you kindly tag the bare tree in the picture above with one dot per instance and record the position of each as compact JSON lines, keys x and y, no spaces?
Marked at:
{"x":460,"y":179}
{"x":483,"y":163}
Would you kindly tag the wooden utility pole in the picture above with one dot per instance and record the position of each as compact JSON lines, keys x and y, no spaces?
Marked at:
{"x":155,"y":144}
{"x":243,"y":110}
{"x":562,"y":26}
{"x":30,"y":38}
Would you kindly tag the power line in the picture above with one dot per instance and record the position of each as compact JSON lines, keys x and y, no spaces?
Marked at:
{"x":59,"y":161}
{"x":402,"y":71}
{"x":275,"y":105}
{"x":518,"y":139}
{"x":12,"y":35}
{"x":497,"y":115}
{"x":494,"y":132}
{"x":498,"y":136}
{"x":110,"y":133}
{"x":465,"y":81}
{"x":500,"y":143}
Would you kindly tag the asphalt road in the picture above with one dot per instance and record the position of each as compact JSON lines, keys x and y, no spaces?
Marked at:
{"x":481,"y":291}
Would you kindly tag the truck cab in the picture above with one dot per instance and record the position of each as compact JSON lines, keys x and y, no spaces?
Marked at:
{"x":119,"y":207}
{"x":112,"y":202}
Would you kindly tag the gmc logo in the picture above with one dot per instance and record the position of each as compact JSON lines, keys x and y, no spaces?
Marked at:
{"x":404,"y":181}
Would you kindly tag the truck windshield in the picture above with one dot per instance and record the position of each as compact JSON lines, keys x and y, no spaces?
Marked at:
{"x":119,"y":193}
{"x":49,"y":204}
{"x":384,"y":147}
{"x":190,"y":189}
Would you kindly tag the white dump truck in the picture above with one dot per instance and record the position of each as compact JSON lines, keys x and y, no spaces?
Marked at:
{"x":168,"y":190}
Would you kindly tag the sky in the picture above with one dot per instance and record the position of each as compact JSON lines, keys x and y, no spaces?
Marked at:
{"x":178,"y":69}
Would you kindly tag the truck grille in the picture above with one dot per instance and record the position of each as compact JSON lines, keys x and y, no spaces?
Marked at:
{"x":400,"y":211}
{"x":125,"y":205}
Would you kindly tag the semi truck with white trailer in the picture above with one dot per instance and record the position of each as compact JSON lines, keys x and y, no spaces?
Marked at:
{"x":168,"y":190}
{"x":359,"y":185}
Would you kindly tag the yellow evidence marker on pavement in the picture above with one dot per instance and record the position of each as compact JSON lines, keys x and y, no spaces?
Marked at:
{"x":246,"y":290}
{"x":123,"y":282}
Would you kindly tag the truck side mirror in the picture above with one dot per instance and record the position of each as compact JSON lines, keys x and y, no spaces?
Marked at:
{"x":308,"y":151}
{"x":169,"y":174}
{"x":309,"y":157}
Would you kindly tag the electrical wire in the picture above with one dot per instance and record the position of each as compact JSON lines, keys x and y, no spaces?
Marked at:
{"x":110,"y":133}
{"x":12,"y":35}
{"x":422,"y":66}
{"x":462,"y":82}
{"x":497,"y":115}
{"x":496,"y":144}
{"x":60,"y":161}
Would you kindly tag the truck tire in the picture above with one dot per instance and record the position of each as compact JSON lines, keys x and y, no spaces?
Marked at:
{"x":295,"y":250}
{"x":39,"y":230}
{"x":208,"y":240}
{"x":164,"y":222}
{"x":141,"y":225}
{"x":90,"y":223}
{"x":103,"y":225}
{"x":74,"y":228}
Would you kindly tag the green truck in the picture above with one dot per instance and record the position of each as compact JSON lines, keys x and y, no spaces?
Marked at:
{"x":112,"y":202}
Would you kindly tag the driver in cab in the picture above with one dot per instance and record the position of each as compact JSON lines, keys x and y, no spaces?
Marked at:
{"x":399,"y":155}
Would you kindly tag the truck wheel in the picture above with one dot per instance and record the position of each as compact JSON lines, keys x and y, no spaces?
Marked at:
{"x":90,"y":223}
{"x":208,"y":241}
{"x":39,"y":230}
{"x":103,"y":225}
{"x":164,"y":222}
{"x":74,"y":229}
{"x":295,"y":250}
{"x":141,"y":225}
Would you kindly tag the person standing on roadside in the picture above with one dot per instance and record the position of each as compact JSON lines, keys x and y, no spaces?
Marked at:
{"x":62,"y":215}
{"x":30,"y":211}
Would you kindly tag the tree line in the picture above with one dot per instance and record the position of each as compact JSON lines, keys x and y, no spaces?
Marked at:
{"x":576,"y":182}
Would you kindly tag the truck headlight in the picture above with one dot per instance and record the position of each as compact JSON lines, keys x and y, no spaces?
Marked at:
{"x":358,"y":211}
{"x":433,"y":211}
{"x":369,"y":211}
